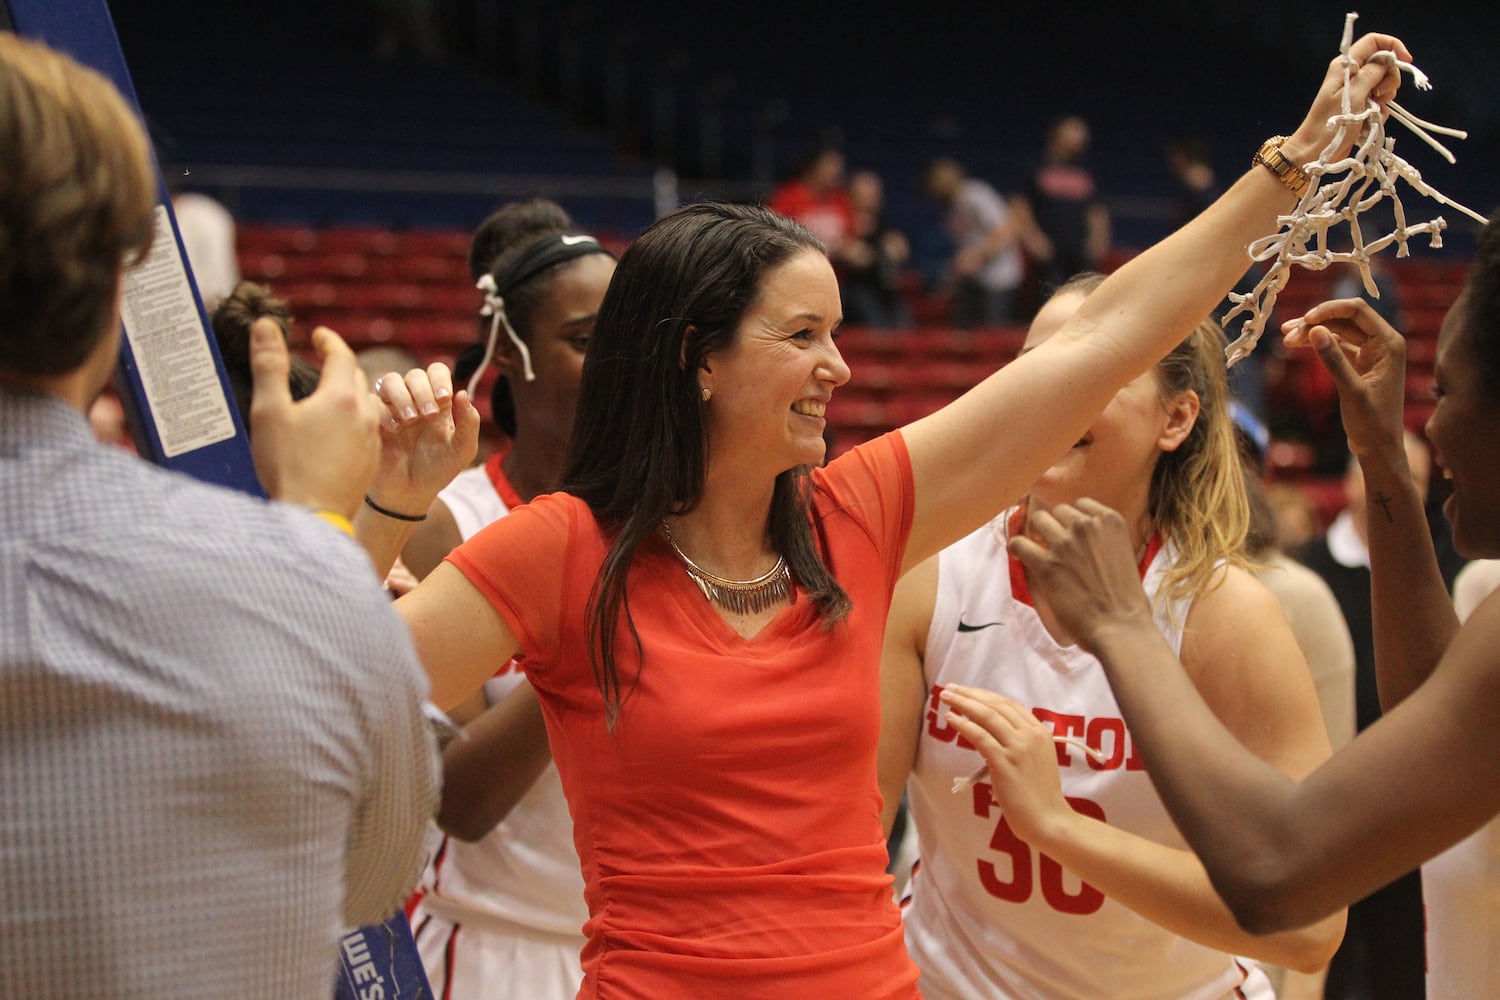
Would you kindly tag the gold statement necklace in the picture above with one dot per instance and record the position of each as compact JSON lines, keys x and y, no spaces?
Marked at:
{"x":742,"y":597}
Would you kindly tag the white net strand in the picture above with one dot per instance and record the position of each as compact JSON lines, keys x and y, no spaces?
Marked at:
{"x":1339,"y":191}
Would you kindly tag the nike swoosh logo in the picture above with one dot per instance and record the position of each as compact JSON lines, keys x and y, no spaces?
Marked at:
{"x":573,"y":241}
{"x":964,"y":627}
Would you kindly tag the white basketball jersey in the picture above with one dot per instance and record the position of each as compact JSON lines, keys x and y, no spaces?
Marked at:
{"x":989,"y":915}
{"x":1461,"y":890}
{"x":525,"y":871}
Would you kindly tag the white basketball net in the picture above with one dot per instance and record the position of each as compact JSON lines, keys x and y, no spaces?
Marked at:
{"x":1339,"y":191}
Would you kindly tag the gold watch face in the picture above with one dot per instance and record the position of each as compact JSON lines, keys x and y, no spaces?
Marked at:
{"x":1290,"y":175}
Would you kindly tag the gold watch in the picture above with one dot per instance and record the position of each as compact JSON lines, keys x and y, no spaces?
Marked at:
{"x":1292,"y":176}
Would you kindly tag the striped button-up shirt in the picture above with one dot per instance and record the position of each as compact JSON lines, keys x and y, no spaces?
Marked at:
{"x":212,"y":753}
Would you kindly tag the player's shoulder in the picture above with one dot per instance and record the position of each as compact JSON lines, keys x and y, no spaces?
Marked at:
{"x":1232,"y":591}
{"x":1236,"y":618}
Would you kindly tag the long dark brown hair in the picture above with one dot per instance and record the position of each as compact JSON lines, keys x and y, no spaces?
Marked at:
{"x":639,"y":449}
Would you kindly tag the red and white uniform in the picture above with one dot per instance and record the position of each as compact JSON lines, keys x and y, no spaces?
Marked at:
{"x":1461,"y":886}
{"x":989,"y":915}
{"x":504,"y":917}
{"x":1461,"y":890}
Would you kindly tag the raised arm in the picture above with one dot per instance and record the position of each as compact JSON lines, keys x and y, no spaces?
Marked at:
{"x":980,"y":453}
{"x":1280,"y":852}
{"x":1240,"y":654}
{"x":1414,"y":620}
{"x":430,"y":434}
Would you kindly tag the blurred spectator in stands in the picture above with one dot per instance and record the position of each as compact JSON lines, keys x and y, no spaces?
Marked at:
{"x":1063,"y":224}
{"x":1382,"y":956}
{"x":816,"y":198}
{"x":376,"y":361}
{"x":1296,"y":515}
{"x":987,"y":268}
{"x":1187,"y":161}
{"x":406,"y":27}
{"x":208,"y":236}
{"x":1197,"y":188}
{"x":872,"y":259}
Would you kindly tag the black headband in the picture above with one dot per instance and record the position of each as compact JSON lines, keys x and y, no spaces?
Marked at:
{"x":542,"y":254}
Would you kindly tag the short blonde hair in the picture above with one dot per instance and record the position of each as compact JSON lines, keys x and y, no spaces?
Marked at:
{"x":77,"y":193}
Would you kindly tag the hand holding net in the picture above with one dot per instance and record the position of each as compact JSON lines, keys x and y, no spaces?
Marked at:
{"x":1339,"y":191}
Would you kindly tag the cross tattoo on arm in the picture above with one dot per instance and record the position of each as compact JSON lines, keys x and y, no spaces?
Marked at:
{"x":1385,"y":505}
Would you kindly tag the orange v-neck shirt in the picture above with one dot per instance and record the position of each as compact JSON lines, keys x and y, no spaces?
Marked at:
{"x":729,"y":826}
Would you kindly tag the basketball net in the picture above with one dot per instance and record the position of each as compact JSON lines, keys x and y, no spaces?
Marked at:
{"x":1340,"y":190}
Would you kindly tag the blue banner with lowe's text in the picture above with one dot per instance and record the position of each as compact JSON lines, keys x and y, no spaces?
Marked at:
{"x":381,"y":963}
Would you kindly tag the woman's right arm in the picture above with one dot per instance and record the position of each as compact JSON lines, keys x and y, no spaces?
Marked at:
{"x":980,"y":453}
{"x":459,"y":635}
{"x":1404,"y":573}
{"x":1281,"y":853}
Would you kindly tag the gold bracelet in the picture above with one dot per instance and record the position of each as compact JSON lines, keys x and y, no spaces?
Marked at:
{"x":336,"y":519}
{"x":1291,"y":175}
